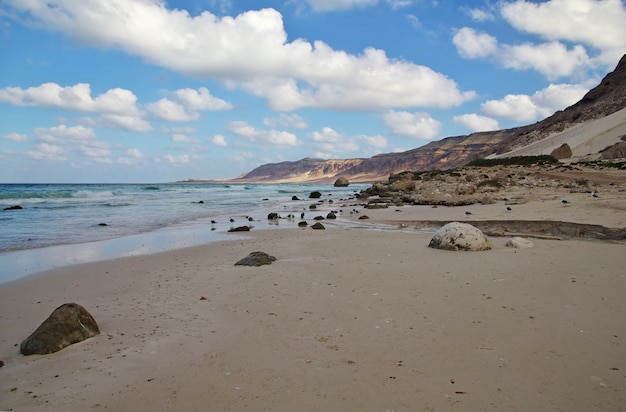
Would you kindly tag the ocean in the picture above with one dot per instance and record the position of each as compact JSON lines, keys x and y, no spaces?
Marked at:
{"x":61,"y":224}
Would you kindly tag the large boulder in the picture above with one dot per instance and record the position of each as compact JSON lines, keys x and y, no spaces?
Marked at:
{"x":256,"y":259}
{"x":459,"y":236}
{"x":68,"y":324}
{"x":562,"y":152}
{"x":315,"y":195}
{"x":342,"y":182}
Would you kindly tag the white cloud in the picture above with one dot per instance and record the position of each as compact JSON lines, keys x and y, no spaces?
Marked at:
{"x":118,"y":121}
{"x":597,"y":23}
{"x":186,"y":105}
{"x":291,"y":121}
{"x":332,"y":5}
{"x":525,"y":108}
{"x":476,"y":123}
{"x":201,"y":99}
{"x":378,"y":141}
{"x":481,"y":15}
{"x":273,"y":137}
{"x":57,"y":133}
{"x":290,"y":75}
{"x":47,"y":151}
{"x":167,"y":109}
{"x":182,"y":138}
{"x":96,"y":149}
{"x":16,"y":137}
{"x":77,"y":98}
{"x":553,"y":59}
{"x":329,"y":142}
{"x":133,"y":156}
{"x":416,"y":125}
{"x":472,"y":44}
{"x":219,"y":140}
{"x":171,"y":159}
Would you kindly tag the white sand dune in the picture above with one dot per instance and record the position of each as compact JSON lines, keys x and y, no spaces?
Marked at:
{"x":585,"y":139}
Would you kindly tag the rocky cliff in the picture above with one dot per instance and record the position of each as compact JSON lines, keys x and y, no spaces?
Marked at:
{"x":607,"y":98}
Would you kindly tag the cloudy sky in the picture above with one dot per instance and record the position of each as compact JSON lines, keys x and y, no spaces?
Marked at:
{"x":158,"y":91}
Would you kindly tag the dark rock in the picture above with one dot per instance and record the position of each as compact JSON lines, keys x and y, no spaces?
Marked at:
{"x":616,"y":151}
{"x":331,"y":215}
{"x":562,"y":152}
{"x":318,"y":218}
{"x":240,"y":229}
{"x":315,"y":195}
{"x":273,"y":216}
{"x":303,"y":224}
{"x":318,"y":226}
{"x":364,"y":217}
{"x":313,"y":207}
{"x":256,"y":259}
{"x":68,"y":324}
{"x":102,"y":224}
{"x":342,"y":182}
{"x":294,"y":198}
{"x":16,"y":207}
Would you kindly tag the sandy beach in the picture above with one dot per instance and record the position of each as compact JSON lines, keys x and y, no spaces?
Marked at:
{"x":353,"y":317}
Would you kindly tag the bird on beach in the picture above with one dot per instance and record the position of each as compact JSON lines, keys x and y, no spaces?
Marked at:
{"x":594,"y":195}
{"x":213,"y":222}
{"x":509,"y":208}
{"x":565,"y":201}
{"x":468,"y":213}
{"x":232,"y":220}
{"x":302,"y":215}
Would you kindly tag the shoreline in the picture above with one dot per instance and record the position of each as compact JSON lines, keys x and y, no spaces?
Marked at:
{"x":347,"y":318}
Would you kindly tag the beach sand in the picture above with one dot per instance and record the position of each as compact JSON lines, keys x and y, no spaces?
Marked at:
{"x":346,"y":319}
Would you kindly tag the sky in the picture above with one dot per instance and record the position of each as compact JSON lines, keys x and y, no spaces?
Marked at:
{"x":106,"y":91}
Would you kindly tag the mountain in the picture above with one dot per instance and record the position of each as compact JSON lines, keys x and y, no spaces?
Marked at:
{"x":602,"y":112}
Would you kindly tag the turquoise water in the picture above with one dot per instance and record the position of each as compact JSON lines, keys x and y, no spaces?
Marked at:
{"x":110,"y":220}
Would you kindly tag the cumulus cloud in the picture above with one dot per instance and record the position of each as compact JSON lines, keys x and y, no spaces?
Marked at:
{"x":132,"y":157}
{"x":291,"y":121}
{"x":291,"y":75}
{"x":597,"y":23}
{"x":525,"y":108}
{"x":187,"y":104}
{"x":481,"y":15}
{"x":219,"y":140}
{"x":585,"y":34}
{"x":273,"y":137}
{"x":476,"y":123}
{"x":472,"y":44}
{"x":333,"y":5}
{"x":417,"y":125}
{"x":330,"y":142}
{"x":47,"y":151}
{"x":58,"y":133}
{"x":16,"y":137}
{"x":77,"y":98}
{"x":118,"y":121}
{"x":182,"y":138}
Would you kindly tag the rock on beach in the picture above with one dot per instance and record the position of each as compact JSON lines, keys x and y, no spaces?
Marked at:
{"x":460,"y":236}
{"x":69,"y":323}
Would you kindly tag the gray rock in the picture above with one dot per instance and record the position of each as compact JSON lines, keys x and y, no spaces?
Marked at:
{"x":318,"y":226}
{"x":460,"y":236}
{"x":240,"y":229}
{"x":256,"y":259}
{"x":68,"y":324}
{"x":342,"y":182}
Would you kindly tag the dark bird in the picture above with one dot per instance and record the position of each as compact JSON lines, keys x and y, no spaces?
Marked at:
{"x":468,"y":213}
{"x":232,"y":220}
{"x":302,"y":215}
{"x":564,"y":201}
{"x":250,"y":219}
{"x":213,"y":221}
{"x":595,"y":196}
{"x":509,"y":208}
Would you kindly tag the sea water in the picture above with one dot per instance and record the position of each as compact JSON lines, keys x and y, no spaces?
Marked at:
{"x":61,"y":224}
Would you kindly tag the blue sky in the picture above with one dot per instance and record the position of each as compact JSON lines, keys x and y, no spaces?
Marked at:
{"x":160,"y":91}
